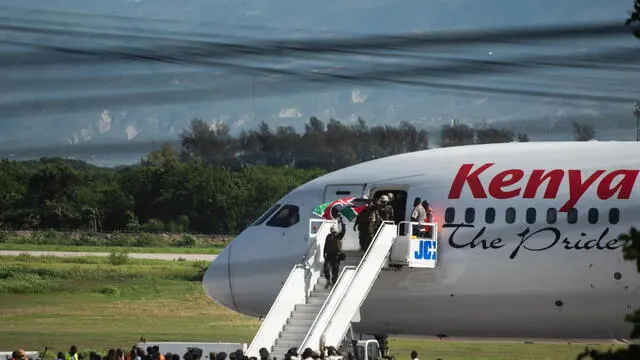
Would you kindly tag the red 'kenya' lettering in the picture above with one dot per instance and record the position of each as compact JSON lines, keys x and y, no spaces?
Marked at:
{"x":507,"y":184}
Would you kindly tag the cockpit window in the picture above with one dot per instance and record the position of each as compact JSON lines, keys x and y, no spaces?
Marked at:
{"x":267,"y":214}
{"x":287,"y":216}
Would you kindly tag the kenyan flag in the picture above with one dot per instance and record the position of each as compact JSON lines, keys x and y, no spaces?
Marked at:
{"x":348,"y":207}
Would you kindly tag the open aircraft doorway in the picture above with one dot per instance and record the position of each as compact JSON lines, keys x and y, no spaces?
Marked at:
{"x":335,"y":192}
{"x":398,"y":202}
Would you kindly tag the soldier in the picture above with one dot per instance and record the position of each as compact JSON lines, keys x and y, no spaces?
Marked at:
{"x":375,"y":221}
{"x":362,"y":224}
{"x":332,"y":250}
{"x":386,"y":210}
{"x":392,"y":198}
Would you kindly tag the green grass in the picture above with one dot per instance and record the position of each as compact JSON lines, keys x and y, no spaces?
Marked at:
{"x":215,"y":249}
{"x":82,"y":241}
{"x":93,"y":304}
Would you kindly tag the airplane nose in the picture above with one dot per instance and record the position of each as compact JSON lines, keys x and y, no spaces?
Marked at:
{"x":216,"y":280}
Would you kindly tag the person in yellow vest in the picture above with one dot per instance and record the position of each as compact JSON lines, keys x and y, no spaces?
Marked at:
{"x":72,"y":354}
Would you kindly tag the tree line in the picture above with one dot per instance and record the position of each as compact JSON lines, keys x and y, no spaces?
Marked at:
{"x":213,"y":184}
{"x":333,"y":145}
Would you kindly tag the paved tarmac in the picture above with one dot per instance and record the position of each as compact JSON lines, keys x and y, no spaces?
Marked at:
{"x":189,"y":257}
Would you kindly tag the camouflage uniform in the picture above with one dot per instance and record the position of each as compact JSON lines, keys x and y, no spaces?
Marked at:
{"x":387,"y":213}
{"x":364,"y":226}
{"x":375,"y":220}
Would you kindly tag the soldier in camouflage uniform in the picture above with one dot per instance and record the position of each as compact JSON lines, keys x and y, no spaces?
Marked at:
{"x":363,"y":225}
{"x":375,"y":220}
{"x":386,"y":210}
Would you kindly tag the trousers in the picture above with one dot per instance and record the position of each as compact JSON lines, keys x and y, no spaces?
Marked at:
{"x":364,"y":238}
{"x":331,"y":267}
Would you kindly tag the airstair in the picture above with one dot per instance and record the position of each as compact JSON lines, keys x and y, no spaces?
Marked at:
{"x":305,"y":314}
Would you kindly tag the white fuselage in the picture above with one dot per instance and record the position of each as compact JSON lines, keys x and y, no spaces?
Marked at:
{"x":517,"y":270}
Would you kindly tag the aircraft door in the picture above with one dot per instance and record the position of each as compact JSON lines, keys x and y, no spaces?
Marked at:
{"x":335,"y":192}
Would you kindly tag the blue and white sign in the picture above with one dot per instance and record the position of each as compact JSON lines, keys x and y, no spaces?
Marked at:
{"x":423,"y":253}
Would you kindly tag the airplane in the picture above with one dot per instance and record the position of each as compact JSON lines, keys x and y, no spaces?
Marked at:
{"x":527,"y":238}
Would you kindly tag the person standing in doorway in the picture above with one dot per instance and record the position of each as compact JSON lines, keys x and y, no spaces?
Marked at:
{"x":428,"y":218}
{"x":386,"y":210}
{"x":418,"y":215}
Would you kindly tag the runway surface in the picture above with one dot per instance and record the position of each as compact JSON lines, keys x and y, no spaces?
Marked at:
{"x":147,"y":256}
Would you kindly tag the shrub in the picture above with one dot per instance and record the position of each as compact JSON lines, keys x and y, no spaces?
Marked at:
{"x":118,"y":257}
{"x":90,"y":240}
{"x":153,"y":225}
{"x":187,"y":241}
{"x":122,"y":240}
{"x":24,"y":284}
{"x":149,"y":240}
{"x":202,"y":269}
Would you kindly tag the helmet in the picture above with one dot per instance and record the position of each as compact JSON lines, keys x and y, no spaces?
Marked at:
{"x":334,"y":228}
{"x":390,"y":195}
{"x":384,"y":198}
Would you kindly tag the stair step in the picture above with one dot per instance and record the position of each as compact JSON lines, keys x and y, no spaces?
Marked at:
{"x":279,"y":351}
{"x":320,"y":297}
{"x":289,"y":343}
{"x":292,"y":336}
{"x":316,"y":300}
{"x":295,"y":329}
{"x":307,"y":308}
{"x":320,"y":288}
{"x":304,"y":316}
{"x":301,"y":321}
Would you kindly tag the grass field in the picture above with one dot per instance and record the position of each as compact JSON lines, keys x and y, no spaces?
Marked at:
{"x":50,"y":240}
{"x":130,"y":249}
{"x":94,"y":304}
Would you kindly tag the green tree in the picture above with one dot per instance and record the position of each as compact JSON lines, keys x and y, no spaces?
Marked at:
{"x":583,"y":132}
{"x":456,"y":134}
{"x":213,"y":184}
{"x":634,"y":16}
{"x":490,"y":135}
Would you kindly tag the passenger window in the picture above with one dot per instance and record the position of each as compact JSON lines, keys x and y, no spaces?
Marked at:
{"x":287,"y":216}
{"x":469,"y":215}
{"x":449,"y":215}
{"x":267,"y":214}
{"x":593,"y":216}
{"x":510,"y":215}
{"x":552,"y":216}
{"x":572,"y":216}
{"x":614,"y":216}
{"x":490,"y":215}
{"x":531,"y":215}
